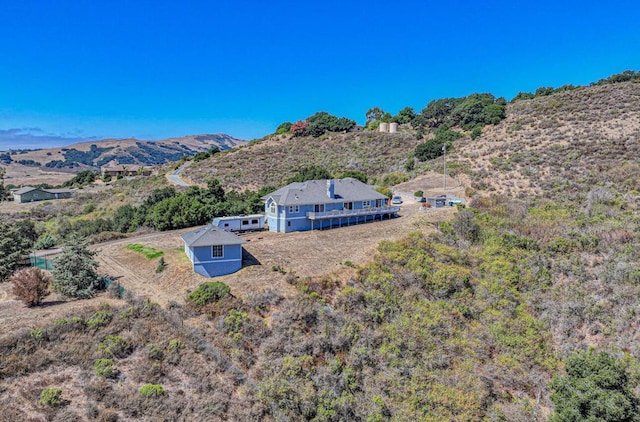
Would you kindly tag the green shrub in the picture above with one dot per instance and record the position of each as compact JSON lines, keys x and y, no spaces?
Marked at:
{"x":104,"y":368}
{"x":112,"y":345}
{"x":154,"y":352}
{"x":37,"y":334}
{"x":162,"y":265}
{"x":476,"y":132}
{"x":175,"y":345}
{"x":152,"y":390}
{"x":51,"y":397}
{"x":209,"y":292}
{"x":394,"y":178}
{"x":45,"y":241}
{"x":100,"y":318}
{"x":418,"y":194}
{"x":385,"y":191}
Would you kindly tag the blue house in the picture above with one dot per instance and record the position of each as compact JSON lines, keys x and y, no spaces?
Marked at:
{"x":213,"y":251}
{"x":319,"y":204}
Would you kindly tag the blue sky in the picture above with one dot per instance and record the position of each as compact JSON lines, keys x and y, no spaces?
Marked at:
{"x":158,"y":69}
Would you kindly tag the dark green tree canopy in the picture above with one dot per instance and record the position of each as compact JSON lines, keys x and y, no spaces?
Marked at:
{"x":323,"y":122}
{"x":311,"y":172}
{"x":466,"y":112}
{"x":85,"y":177}
{"x":406,"y":115}
{"x":596,"y":388}
{"x":74,"y":271}
{"x":433,"y":147}
{"x":283,"y":128}
{"x":15,"y":243}
{"x":374,"y":114}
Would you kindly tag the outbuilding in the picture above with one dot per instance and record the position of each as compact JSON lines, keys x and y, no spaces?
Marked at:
{"x":31,"y":194}
{"x":213,"y":251}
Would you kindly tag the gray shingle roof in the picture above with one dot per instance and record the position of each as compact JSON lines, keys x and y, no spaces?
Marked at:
{"x":315,"y":192}
{"x":211,"y":235}
{"x":24,"y":190}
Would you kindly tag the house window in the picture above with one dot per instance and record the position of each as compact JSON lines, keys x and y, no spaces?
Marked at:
{"x":366,"y":204}
{"x":293,"y":209}
{"x":216,"y":251}
{"x":318,"y":208}
{"x":272,"y":209}
{"x":348,"y":206}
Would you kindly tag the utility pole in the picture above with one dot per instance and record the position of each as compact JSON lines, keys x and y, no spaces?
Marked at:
{"x":444,"y":160}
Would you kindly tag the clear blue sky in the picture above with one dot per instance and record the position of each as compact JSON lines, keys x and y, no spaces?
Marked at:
{"x":158,"y":69}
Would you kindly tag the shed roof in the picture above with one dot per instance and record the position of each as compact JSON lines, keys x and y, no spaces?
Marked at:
{"x":58,"y":190}
{"x":315,"y":192}
{"x":211,"y":235}
{"x":23,"y":190}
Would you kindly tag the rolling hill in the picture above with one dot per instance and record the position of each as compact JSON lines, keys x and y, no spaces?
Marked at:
{"x":478,"y":316}
{"x":118,"y":151}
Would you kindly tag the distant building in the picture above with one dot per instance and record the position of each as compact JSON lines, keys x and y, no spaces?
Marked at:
{"x":317,"y":204}
{"x":213,"y":251}
{"x":444,"y":201}
{"x":122,"y":170}
{"x":31,"y":194}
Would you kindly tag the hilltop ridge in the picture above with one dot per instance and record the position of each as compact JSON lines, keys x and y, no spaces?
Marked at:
{"x":94,"y":154}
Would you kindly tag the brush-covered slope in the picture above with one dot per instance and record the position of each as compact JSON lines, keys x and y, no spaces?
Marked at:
{"x":559,"y":144}
{"x":272,"y":160}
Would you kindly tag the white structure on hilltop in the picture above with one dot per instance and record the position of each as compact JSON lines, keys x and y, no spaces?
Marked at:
{"x":388,"y":127}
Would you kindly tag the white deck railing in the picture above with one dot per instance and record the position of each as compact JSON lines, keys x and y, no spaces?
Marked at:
{"x":352,"y":213}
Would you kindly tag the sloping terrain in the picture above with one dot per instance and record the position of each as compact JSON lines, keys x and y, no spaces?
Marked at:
{"x":274,"y":159}
{"x":559,"y":144}
{"x":118,"y":151}
{"x":468,"y":318}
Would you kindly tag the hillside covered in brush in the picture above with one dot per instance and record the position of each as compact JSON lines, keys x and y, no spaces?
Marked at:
{"x":523,"y":306}
{"x":559,"y":144}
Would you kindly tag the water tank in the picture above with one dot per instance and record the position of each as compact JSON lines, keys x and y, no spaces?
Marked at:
{"x":393,"y":127}
{"x":384,"y":127}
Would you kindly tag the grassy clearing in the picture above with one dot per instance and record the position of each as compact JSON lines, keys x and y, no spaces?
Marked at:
{"x":147,"y":251}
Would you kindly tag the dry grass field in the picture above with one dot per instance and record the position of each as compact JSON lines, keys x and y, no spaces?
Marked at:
{"x":19,"y":175}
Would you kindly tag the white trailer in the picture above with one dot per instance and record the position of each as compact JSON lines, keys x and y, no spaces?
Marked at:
{"x":240,"y":223}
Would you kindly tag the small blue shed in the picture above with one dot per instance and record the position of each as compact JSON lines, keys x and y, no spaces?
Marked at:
{"x":213,"y":251}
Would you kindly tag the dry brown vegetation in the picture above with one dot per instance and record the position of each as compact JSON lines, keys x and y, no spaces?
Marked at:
{"x":559,"y":144}
{"x":465,"y":319}
{"x":272,"y":160}
{"x":128,"y":148}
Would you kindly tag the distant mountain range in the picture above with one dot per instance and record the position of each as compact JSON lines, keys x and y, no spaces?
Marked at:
{"x":95,"y":154}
